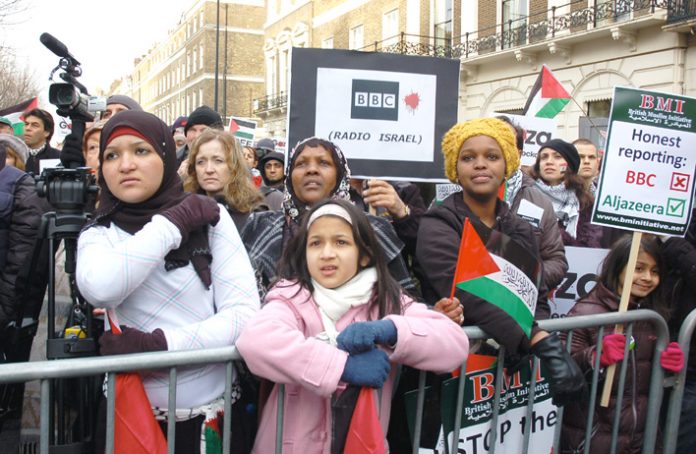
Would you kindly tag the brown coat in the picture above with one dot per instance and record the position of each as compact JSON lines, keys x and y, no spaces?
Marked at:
{"x":635,"y":399}
{"x":551,"y":247}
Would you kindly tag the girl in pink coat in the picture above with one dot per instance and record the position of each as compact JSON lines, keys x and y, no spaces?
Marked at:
{"x":337,"y":318}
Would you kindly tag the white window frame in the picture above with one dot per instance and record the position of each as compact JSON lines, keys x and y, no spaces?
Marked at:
{"x":390,"y":27}
{"x":356,"y":37}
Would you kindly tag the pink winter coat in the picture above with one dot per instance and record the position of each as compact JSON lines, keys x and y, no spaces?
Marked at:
{"x":279,"y":344}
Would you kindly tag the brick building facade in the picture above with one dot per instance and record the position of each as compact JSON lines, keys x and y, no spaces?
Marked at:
{"x":178,"y":74}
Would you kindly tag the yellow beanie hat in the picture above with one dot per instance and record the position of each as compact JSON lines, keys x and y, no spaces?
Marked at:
{"x":498,"y":130}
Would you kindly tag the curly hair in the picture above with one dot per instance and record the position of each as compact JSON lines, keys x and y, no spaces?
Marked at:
{"x":239,"y":192}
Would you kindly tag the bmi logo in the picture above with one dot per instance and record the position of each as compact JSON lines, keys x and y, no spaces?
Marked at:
{"x":375,"y":100}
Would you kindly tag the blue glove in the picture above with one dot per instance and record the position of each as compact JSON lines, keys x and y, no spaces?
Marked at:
{"x":362,"y":336}
{"x":369,"y":368}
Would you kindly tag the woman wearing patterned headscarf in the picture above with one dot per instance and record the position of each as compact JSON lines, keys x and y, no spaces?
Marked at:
{"x":148,"y":256}
{"x":317,"y":170}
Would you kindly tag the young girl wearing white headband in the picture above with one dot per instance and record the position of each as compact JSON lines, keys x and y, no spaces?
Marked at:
{"x":337,"y":318}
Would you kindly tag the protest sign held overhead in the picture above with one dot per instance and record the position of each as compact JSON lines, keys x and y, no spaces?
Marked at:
{"x":647,"y":177}
{"x":387,"y":112}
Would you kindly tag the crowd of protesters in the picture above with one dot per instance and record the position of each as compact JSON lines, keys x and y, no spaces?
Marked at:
{"x":327,"y":283}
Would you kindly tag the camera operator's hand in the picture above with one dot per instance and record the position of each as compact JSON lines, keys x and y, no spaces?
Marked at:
{"x":194,"y":212}
{"x":132,"y":340}
{"x":71,"y":155}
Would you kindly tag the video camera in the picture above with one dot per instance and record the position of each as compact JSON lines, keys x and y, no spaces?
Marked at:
{"x":72,"y":98}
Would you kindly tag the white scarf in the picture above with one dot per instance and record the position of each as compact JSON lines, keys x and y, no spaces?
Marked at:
{"x":334,"y":303}
{"x":565,"y":204}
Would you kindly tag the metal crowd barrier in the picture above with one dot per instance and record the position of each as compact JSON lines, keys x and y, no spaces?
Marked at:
{"x":675,"y":402}
{"x":45,"y":371}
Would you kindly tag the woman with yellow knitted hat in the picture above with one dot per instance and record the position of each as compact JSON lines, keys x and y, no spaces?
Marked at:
{"x":479,"y":155}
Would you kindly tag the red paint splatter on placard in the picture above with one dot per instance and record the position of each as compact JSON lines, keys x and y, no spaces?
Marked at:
{"x":412,"y":101}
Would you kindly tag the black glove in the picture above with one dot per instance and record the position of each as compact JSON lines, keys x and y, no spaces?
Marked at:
{"x":71,"y":155}
{"x":132,"y":340}
{"x":566,"y":380}
{"x":194,"y":212}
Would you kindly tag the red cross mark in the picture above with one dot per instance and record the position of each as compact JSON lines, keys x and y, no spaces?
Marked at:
{"x":680,"y":182}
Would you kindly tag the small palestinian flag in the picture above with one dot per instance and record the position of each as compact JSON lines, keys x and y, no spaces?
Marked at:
{"x":548,"y":97}
{"x":15,"y":114}
{"x":499,"y":271}
{"x":244,"y":130}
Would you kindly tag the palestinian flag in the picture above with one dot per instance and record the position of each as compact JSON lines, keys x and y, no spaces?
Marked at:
{"x":244,"y":130}
{"x":15,"y":114}
{"x":500,"y":272}
{"x":548,"y":97}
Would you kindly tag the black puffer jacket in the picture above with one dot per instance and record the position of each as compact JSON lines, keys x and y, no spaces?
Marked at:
{"x":20,"y":217}
{"x":635,"y":400}
{"x":437,"y":250}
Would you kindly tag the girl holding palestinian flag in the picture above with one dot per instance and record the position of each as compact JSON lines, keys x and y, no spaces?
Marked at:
{"x":479,"y":155}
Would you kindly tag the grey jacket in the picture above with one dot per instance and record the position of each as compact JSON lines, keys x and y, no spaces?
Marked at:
{"x":548,"y":232}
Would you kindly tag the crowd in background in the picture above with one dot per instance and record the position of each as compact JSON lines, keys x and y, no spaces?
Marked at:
{"x":326,"y":282}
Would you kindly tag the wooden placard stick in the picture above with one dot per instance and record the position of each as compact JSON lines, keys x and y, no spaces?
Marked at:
{"x":623,"y":306}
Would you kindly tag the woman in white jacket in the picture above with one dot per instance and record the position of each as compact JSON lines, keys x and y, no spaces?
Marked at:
{"x":170,"y":264}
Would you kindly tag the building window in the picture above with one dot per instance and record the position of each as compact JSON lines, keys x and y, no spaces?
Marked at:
{"x":515,"y":13}
{"x":356,"y":38}
{"x":195,"y":60}
{"x":271,"y":75}
{"x":200,"y":57}
{"x":200,"y":96}
{"x":390,"y":27}
{"x":283,"y":70}
{"x":201,"y":18}
{"x":443,"y":22}
{"x":599,"y":108}
{"x":327,"y":43}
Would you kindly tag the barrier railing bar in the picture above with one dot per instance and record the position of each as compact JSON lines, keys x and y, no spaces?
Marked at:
{"x":675,"y":402}
{"x":279,"y":419}
{"x":45,"y":416}
{"x":420,"y":403}
{"x":530,"y":406}
{"x":110,"y":409}
{"x":656,"y":386}
{"x":620,"y":390}
{"x":171,"y":412}
{"x":458,"y":409}
{"x":593,"y":391}
{"x":227,"y":428}
{"x":496,"y":399}
{"x":76,"y":367}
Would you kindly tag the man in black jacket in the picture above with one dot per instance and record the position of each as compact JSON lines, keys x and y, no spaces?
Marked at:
{"x":38,"y":130}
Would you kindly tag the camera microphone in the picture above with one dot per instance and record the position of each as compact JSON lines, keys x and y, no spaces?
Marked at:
{"x":58,"y":48}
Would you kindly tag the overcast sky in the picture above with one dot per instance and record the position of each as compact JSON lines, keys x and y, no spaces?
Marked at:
{"x":105,"y":36}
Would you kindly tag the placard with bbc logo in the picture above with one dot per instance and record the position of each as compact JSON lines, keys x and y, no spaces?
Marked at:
{"x":387,"y":112}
